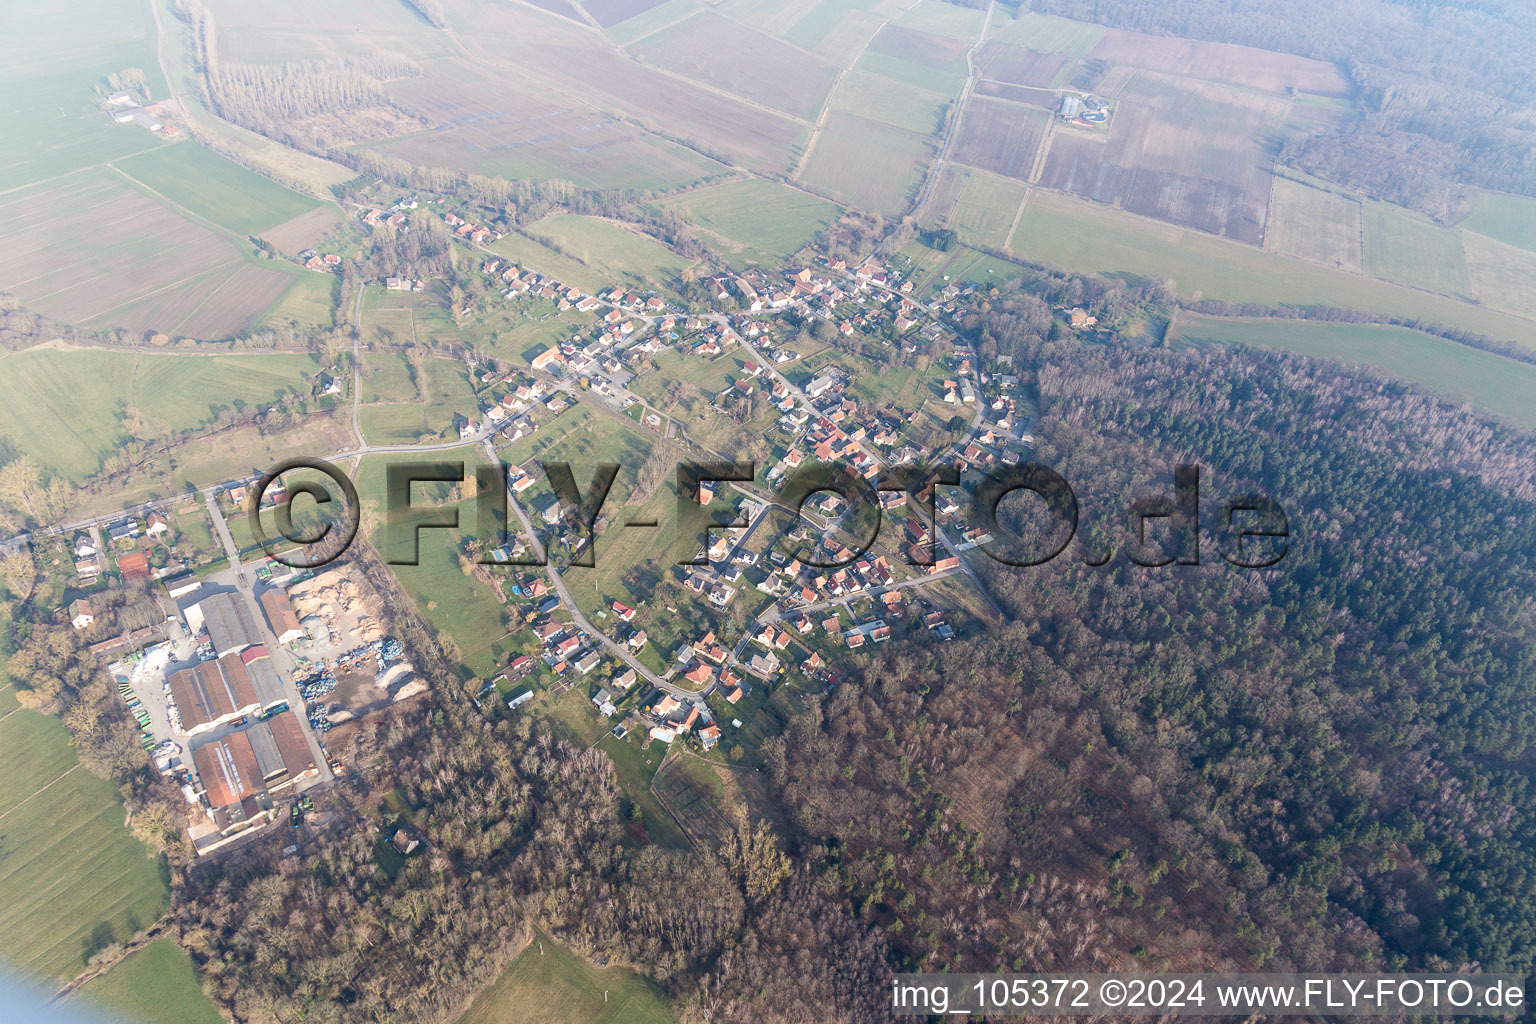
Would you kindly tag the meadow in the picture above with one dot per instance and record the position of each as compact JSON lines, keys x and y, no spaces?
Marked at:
{"x":868,"y":164}
{"x":1491,"y":382}
{"x":635,"y":769}
{"x":215,"y":188}
{"x":547,"y":984}
{"x":70,"y":409}
{"x":755,"y":220}
{"x":1510,"y":219}
{"x":1502,"y":275}
{"x":72,"y":877}
{"x":1314,"y":224}
{"x":1086,"y":237}
{"x":155,"y":985}
{"x":615,"y":252}
{"x":896,"y":103}
{"x":456,"y":604}
{"x":1047,"y":33}
{"x":984,"y":206}
{"x":1403,"y":247}
{"x":423,"y":404}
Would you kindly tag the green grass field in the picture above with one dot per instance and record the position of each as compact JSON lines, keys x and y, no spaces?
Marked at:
{"x":444,"y":392}
{"x":156,"y":985}
{"x":215,"y":188}
{"x":1314,"y":224}
{"x":756,"y":220}
{"x":615,"y":252}
{"x":453,"y":602}
{"x":537,"y":256}
{"x":985,"y":208}
{"x":387,"y":377}
{"x":635,"y":768}
{"x":1402,"y":247}
{"x":49,"y":67}
{"x":944,"y":19}
{"x":72,"y":878}
{"x":896,"y":103}
{"x":1047,"y":33}
{"x":547,"y":984}
{"x":947,"y":81}
{"x":1492,"y":382}
{"x":1502,"y":274}
{"x":1083,"y":236}
{"x":311,"y":300}
{"x":1510,"y":219}
{"x":867,"y":164}
{"x":70,"y":409}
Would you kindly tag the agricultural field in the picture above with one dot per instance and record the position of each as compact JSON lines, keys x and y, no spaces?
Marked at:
{"x":1244,"y":66}
{"x":608,"y":13}
{"x":70,"y":409}
{"x":306,"y":231}
{"x":73,"y":879}
{"x":634,"y":768}
{"x":581,"y":64}
{"x":1045,"y":99}
{"x":488,"y":126}
{"x":1502,"y":275}
{"x":1314,"y":224}
{"x":1193,"y":154}
{"x":1086,"y":237}
{"x":867,"y":164}
{"x":49,"y":68}
{"x":215,"y":189}
{"x":616,"y":252}
{"x":1018,"y":65}
{"x":1491,"y":382}
{"x":1506,"y":218}
{"x":1047,"y":33}
{"x":547,"y":984}
{"x":936,"y":63}
{"x":1408,"y":249}
{"x":98,"y":251}
{"x":727,"y":55}
{"x":279,"y":30}
{"x":1001,"y":137}
{"x":653,"y":19}
{"x":831,"y":29}
{"x":896,"y":103}
{"x":985,"y":207}
{"x":155,"y":985}
{"x":756,"y":221}
{"x":944,"y":19}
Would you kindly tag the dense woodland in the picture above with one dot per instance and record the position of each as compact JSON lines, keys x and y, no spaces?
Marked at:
{"x":1444,"y":90}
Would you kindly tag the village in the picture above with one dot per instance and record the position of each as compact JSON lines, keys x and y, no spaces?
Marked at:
{"x":238,"y":687}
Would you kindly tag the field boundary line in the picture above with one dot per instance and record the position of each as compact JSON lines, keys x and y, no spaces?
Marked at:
{"x":34,"y":795}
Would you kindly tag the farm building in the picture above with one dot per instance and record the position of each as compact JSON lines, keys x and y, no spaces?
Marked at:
{"x":229,"y":622}
{"x":282,"y":753}
{"x":228,"y":770}
{"x":211,"y":693}
{"x":264,"y":678}
{"x":281,"y":616}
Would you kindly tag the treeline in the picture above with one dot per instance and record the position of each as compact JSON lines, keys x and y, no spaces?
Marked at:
{"x":1441,"y":88}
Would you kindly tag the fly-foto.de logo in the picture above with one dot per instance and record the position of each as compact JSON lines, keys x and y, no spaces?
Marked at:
{"x":823,"y":515}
